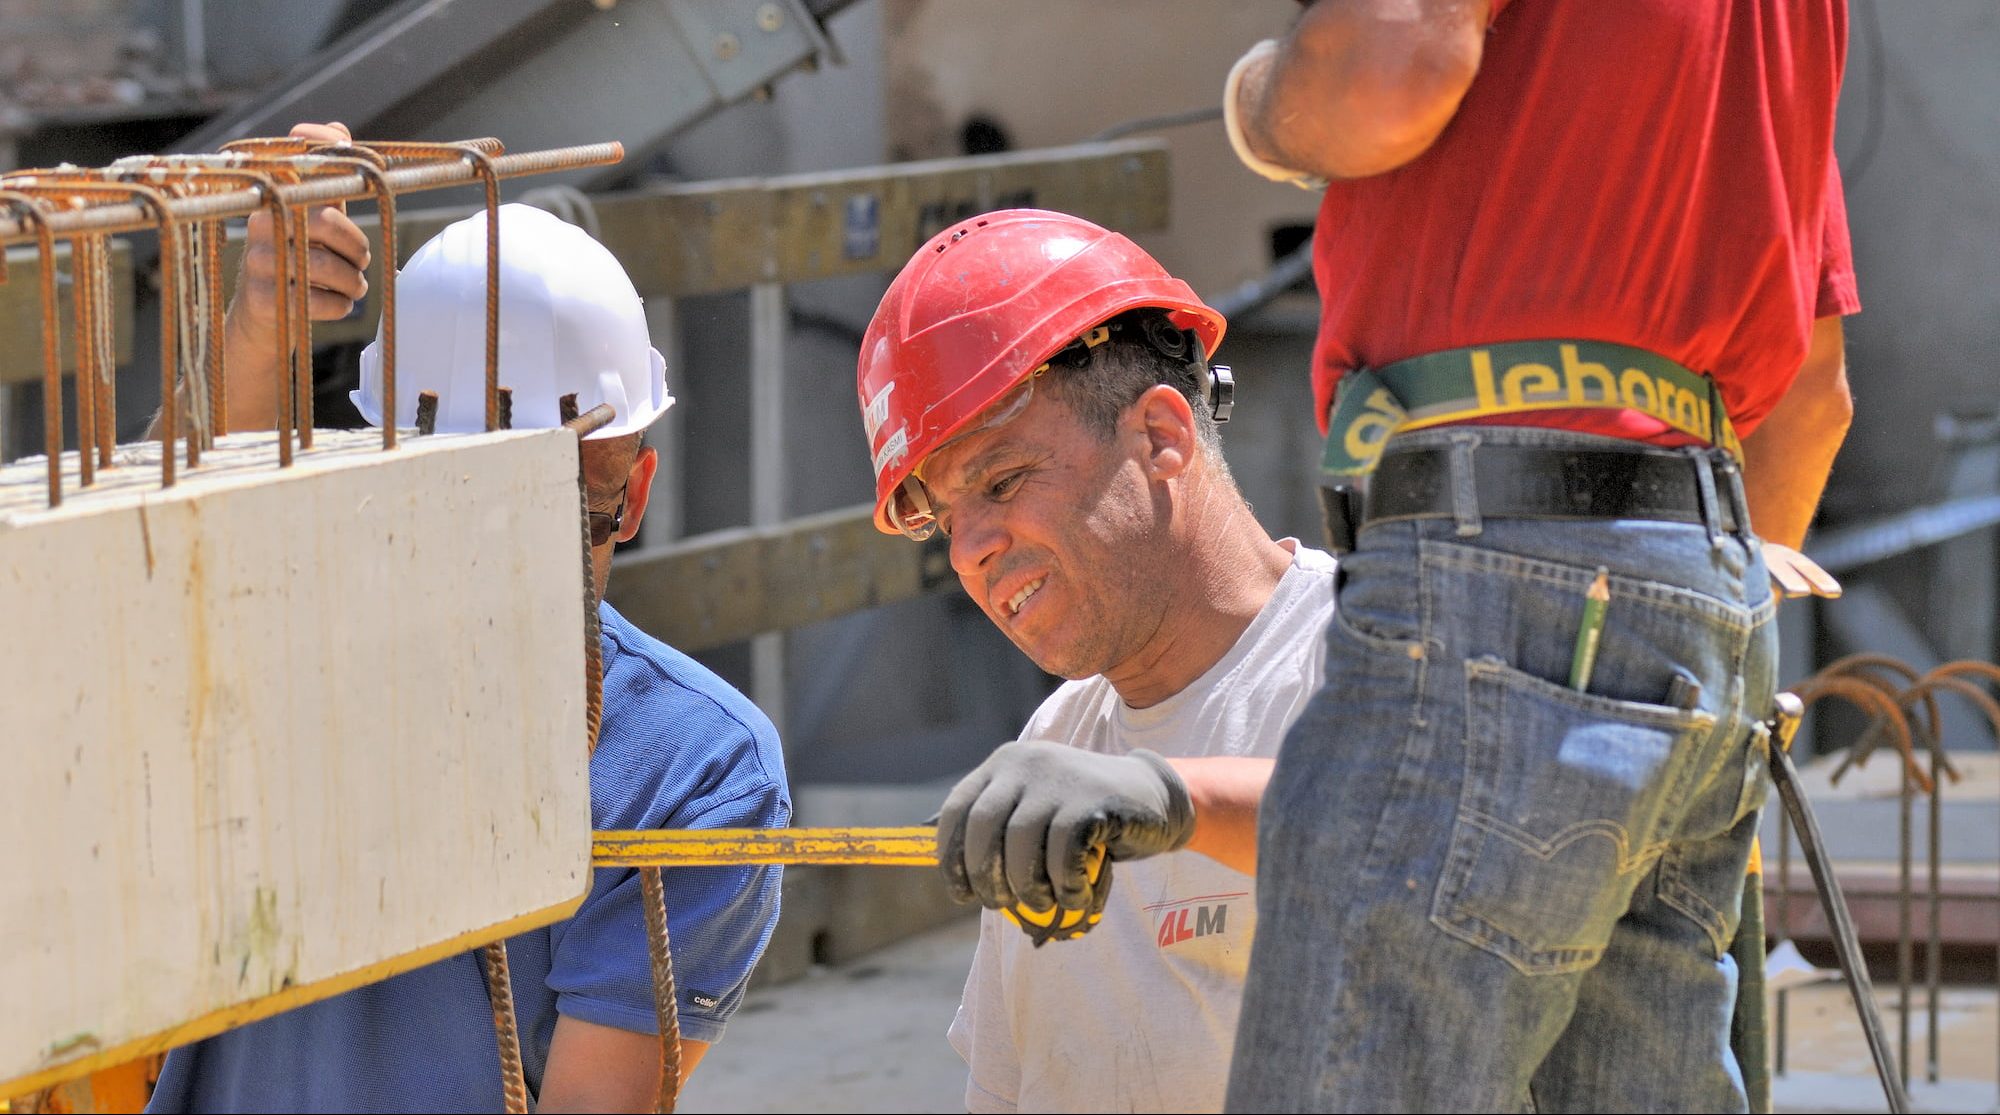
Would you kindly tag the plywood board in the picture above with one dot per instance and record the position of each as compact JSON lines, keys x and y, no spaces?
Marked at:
{"x":266,"y":734}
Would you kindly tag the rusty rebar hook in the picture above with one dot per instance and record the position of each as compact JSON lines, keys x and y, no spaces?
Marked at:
{"x":480,"y":154}
{"x":1869,"y":697}
{"x":45,"y":243}
{"x":370,"y":165}
{"x":74,"y":184}
{"x":1872,"y":668}
{"x":212,"y":170}
{"x":178,"y":178}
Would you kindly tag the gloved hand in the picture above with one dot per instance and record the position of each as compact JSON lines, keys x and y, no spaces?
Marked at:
{"x":1021,"y":829}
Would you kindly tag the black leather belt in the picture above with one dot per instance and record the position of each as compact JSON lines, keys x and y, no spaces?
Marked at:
{"x":1514,"y":481}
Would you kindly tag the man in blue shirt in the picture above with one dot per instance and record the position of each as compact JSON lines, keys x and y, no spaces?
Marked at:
{"x":678,"y":747}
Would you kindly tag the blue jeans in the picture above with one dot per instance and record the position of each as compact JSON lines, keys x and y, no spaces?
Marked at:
{"x":1481,"y":890}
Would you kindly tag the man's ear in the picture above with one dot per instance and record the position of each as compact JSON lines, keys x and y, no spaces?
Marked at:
{"x":1167,"y":421}
{"x":638,"y":491}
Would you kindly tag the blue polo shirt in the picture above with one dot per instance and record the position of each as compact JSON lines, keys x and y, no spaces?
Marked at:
{"x":678,"y":748}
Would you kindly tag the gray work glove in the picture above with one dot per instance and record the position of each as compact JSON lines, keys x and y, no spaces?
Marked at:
{"x":1022,"y":830}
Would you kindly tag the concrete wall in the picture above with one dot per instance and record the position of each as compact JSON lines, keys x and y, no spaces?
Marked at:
{"x":1919,"y":143}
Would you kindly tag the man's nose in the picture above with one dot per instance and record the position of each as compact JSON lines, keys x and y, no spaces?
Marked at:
{"x":977,"y":537}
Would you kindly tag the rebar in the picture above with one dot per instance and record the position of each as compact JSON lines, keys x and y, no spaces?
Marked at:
{"x":666,"y":1002}
{"x":1902,"y":705}
{"x":211,"y":245}
{"x":45,"y":242}
{"x":370,"y":165}
{"x":342,"y":187}
{"x":1785,"y":777}
{"x":105,"y":343}
{"x":300,"y":342}
{"x":75,"y":185}
{"x":506,"y":1028}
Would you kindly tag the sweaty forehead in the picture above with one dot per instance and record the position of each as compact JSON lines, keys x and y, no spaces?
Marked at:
{"x":959,"y":464}
{"x":607,"y":460}
{"x":962,"y":463}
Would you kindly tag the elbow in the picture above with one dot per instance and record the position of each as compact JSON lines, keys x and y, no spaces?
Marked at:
{"x":1382,"y":97}
{"x":1840,"y":409}
{"x":1824,"y":374}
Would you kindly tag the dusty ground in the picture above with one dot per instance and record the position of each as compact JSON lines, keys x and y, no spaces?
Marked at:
{"x":870,"y":1038}
{"x":1827,"y":1062}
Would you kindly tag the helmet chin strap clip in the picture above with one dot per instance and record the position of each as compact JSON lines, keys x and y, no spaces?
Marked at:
{"x":1174,"y":343}
{"x":1221,"y":392}
{"x":1219,"y":383}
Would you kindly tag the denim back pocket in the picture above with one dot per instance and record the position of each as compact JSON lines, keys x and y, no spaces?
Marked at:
{"x":1568,"y":799}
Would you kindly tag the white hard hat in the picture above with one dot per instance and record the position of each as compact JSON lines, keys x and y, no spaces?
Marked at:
{"x":570,"y":322}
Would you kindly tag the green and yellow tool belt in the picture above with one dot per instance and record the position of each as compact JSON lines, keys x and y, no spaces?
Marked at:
{"x":1516,"y":377}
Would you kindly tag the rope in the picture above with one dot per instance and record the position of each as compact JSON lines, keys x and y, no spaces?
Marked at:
{"x":106,"y":343}
{"x":566,"y":203}
{"x":211,"y":254}
{"x":195,"y":339}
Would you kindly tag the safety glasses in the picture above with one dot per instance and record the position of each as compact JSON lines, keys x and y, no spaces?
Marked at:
{"x":912,"y":510}
{"x":604,"y":525}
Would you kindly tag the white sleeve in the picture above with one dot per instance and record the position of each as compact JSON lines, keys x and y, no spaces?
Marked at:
{"x":980,"y":1031}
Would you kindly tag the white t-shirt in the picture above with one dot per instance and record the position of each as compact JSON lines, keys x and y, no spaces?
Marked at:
{"x":1140,"y":1013}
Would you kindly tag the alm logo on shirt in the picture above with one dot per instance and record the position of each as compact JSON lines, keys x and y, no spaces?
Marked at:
{"x":1189,"y":918}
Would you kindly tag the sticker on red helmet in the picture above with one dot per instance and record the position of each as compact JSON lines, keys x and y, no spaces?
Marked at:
{"x":892,"y":451}
{"x":877,"y":411}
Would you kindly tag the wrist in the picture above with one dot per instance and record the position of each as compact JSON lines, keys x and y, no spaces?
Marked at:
{"x":1179,"y":806}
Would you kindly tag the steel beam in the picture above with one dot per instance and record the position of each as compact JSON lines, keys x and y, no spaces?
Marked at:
{"x":769,"y":324}
{"x":729,"y":585}
{"x":709,"y":237}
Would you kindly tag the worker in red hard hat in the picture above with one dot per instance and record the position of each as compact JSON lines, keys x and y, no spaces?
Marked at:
{"x":1038,"y":390}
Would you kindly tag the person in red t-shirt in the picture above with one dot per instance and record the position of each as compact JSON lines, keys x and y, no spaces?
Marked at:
{"x":1582,"y":268}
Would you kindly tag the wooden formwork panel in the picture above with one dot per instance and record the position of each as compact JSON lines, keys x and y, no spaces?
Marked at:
{"x":267,"y":735}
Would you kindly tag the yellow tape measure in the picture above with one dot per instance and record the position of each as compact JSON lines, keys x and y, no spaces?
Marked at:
{"x":1056,"y":923}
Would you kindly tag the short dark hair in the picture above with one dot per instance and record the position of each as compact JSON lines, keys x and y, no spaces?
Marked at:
{"x":1100,"y":383}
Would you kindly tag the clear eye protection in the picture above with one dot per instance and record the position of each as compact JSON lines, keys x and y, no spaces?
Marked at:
{"x":912,"y":509}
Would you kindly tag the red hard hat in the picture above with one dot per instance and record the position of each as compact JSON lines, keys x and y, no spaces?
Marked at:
{"x":980,"y":306}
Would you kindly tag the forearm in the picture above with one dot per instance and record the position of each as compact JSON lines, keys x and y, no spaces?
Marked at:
{"x":336,"y":262}
{"x":1360,"y":87}
{"x":1787,"y":459}
{"x":1226,"y":792}
{"x":600,"y":1068}
{"x":250,"y":374}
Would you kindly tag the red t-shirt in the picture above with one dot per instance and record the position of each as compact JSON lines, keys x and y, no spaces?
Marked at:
{"x":1657,"y":173}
